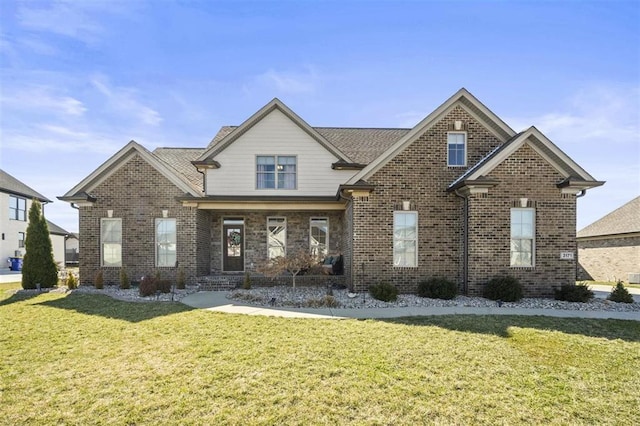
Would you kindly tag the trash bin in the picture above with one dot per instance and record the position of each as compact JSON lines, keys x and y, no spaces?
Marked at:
{"x":16,"y":263}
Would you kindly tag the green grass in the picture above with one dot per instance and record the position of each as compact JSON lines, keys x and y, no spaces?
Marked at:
{"x":88,"y":359}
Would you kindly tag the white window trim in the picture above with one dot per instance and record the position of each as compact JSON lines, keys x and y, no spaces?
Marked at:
{"x":269,"y":218}
{"x":466,"y":144}
{"x":533,"y":238}
{"x":275,"y":158}
{"x":394,"y":238}
{"x":17,"y":209}
{"x":155,"y":231}
{"x":102,"y":220}
{"x":311,"y":219}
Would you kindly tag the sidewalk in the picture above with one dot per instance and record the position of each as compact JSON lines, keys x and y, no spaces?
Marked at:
{"x":216,"y":301}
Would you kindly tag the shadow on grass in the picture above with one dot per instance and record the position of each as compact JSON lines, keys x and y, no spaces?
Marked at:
{"x":499,"y":325}
{"x":108,"y":307}
{"x":20,"y":296}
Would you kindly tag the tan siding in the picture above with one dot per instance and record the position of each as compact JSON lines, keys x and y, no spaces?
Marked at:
{"x":275,"y":135}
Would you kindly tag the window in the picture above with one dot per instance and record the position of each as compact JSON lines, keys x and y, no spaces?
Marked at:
{"x":165,"y":242}
{"x":276,"y":172}
{"x":405,"y":239}
{"x":319,"y":237}
{"x":111,"y":242}
{"x":522,"y":237}
{"x":277,"y":239}
{"x":456,"y":149}
{"x":17,"y":208}
{"x":21,"y":236}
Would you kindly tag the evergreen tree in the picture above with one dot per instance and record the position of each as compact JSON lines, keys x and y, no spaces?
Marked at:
{"x":38,"y":265}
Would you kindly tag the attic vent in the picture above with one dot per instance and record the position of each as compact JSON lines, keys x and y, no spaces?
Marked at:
{"x":361,"y":198}
{"x":458,"y":126}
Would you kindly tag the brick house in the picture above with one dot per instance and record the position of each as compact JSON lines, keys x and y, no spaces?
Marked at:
{"x":460,"y":195}
{"x":609,"y":248}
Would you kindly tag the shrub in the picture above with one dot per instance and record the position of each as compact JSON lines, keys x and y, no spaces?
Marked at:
{"x":620,"y":294}
{"x":246,"y":284}
{"x":38,"y":265}
{"x":384,"y":291}
{"x":574,"y":293}
{"x":148,"y":286}
{"x":164,"y":286}
{"x":507,"y":289}
{"x":99,"y":280}
{"x":181,"y":281}
{"x":72,"y":283}
{"x":124,"y":279}
{"x":438,"y":288}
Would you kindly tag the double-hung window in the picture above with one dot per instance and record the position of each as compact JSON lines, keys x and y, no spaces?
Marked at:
{"x":111,"y":242}
{"x":456,"y":149}
{"x":522,"y":237}
{"x":277,"y":237}
{"x":319,"y":236}
{"x":405,"y":239}
{"x":165,"y":242}
{"x":276,"y":172}
{"x":17,"y":208}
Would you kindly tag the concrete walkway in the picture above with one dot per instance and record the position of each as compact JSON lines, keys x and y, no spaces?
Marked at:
{"x":216,"y":301}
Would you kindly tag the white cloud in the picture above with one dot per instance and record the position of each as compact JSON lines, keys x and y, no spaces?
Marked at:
{"x":286,"y":82}
{"x":594,"y":114}
{"x":42,"y":98}
{"x":123,"y":100}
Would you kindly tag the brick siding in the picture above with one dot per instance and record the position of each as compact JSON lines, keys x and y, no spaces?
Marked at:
{"x":608,"y":259}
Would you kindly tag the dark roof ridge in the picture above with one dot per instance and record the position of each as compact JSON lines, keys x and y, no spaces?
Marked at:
{"x":362,"y":128}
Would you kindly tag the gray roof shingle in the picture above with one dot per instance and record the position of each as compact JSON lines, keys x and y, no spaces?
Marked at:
{"x":12,"y":185}
{"x":362,"y":145}
{"x":623,"y":220}
{"x":179,"y":159}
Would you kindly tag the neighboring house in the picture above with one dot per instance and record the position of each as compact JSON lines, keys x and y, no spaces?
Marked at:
{"x":72,"y":249}
{"x":58,"y":243}
{"x":609,"y":248}
{"x":15,"y":202}
{"x":460,"y":195}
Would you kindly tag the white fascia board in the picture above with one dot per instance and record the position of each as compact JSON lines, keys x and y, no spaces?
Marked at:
{"x":126,"y":153}
{"x":428,"y":122}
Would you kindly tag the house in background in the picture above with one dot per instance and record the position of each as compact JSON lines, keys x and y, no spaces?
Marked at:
{"x":72,"y":249}
{"x":461,"y":195}
{"x":15,"y":202}
{"x":609,"y":248}
{"x":59,"y":238}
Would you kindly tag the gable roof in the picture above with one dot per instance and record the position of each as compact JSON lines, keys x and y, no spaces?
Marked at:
{"x":623,"y":220}
{"x":11,"y":185}
{"x":166,"y":168}
{"x":180,"y":160}
{"x":461,"y":98}
{"x":275,"y":104}
{"x":55,"y":229}
{"x":572,"y":172}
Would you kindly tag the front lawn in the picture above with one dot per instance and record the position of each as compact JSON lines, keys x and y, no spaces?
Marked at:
{"x":89,"y":359}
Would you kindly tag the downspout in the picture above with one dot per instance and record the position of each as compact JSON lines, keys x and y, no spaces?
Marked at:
{"x":349,"y":200}
{"x":465,"y":243}
{"x":582,"y":193}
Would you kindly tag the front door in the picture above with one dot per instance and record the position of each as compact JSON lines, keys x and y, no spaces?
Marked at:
{"x":233,"y":245}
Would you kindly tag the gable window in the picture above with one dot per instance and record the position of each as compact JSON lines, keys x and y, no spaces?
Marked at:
{"x":111,"y":242}
{"x":165,"y":242}
{"x":405,"y":239}
{"x":319,"y":236}
{"x":522,"y":237}
{"x":277,"y":237}
{"x":21,"y":236}
{"x":17,"y":208}
{"x":276,"y":172}
{"x":456,"y":149}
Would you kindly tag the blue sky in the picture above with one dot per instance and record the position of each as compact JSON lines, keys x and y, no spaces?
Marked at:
{"x":79,"y":79}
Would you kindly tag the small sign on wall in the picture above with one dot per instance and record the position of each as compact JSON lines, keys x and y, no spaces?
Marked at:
{"x":566,"y":255}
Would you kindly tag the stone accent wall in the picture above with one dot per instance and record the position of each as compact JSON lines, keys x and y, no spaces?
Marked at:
{"x":609,"y":259}
{"x":524,"y":174}
{"x":137,"y":193}
{"x":255,"y":231}
{"x":418,"y":174}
